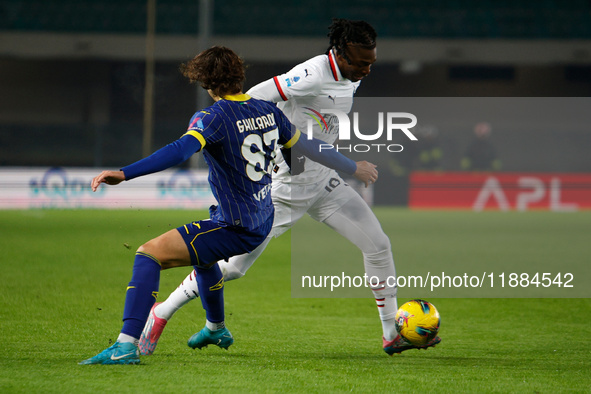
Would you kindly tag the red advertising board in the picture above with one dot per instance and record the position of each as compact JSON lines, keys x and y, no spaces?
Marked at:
{"x":565,"y":192}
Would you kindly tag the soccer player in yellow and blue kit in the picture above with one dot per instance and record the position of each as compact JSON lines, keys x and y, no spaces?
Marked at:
{"x":238,"y":136}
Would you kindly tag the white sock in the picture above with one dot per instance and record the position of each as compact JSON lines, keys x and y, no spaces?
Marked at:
{"x":122,"y":338}
{"x":387,"y":308}
{"x":381,"y":265}
{"x":214,"y":326}
{"x":184,"y":293}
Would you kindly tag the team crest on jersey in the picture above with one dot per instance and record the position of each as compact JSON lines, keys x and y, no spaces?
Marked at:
{"x":292,"y":81}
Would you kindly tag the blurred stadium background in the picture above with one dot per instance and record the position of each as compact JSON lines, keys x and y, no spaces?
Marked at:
{"x":74,"y":74}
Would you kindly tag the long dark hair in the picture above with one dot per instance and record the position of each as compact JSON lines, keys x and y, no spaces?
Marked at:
{"x":217,"y":68}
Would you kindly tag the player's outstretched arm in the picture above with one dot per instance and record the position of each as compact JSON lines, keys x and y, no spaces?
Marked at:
{"x":108,"y":177}
{"x":172,"y":154}
{"x":366,"y":172}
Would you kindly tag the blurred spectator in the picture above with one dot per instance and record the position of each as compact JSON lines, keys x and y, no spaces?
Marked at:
{"x":481,"y":155}
{"x":425,"y":154}
{"x":429,"y":151}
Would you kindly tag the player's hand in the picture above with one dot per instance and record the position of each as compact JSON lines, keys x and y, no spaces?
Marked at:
{"x":108,"y":177}
{"x":366,"y":172}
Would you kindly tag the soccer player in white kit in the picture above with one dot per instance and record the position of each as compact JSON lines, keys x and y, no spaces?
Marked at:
{"x":327,"y":81}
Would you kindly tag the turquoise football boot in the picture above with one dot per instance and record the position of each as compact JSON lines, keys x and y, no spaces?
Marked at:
{"x":221,"y":338}
{"x":119,"y":353}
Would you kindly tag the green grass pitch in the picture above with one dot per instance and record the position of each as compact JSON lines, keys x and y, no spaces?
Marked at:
{"x":64,"y":273}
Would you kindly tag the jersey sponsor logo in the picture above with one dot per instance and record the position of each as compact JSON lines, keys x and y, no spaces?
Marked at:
{"x":292,"y":81}
{"x":261,"y":194}
{"x":258,"y":123}
{"x":318,"y":118}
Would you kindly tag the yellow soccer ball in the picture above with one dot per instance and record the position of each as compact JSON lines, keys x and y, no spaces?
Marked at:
{"x":417,"y":321}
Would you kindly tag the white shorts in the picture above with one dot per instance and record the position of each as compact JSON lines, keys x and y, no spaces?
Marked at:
{"x":319,"y":200}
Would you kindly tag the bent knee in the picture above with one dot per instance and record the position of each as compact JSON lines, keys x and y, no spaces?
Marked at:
{"x":230,"y":272}
{"x":378,"y":244}
{"x":152,"y":248}
{"x":148,"y":248}
{"x":383,"y":244}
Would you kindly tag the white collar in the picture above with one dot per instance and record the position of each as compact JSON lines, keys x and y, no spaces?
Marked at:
{"x":334,"y":67}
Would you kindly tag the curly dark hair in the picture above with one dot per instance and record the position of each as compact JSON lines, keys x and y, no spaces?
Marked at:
{"x":217,"y":68}
{"x":345,"y":31}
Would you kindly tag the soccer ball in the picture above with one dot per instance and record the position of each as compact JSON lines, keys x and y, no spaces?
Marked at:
{"x":417,"y":321}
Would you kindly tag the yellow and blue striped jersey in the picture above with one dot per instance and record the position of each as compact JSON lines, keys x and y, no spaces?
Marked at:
{"x":238,"y":137}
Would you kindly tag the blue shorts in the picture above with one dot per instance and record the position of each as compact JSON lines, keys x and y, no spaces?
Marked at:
{"x":208,"y":242}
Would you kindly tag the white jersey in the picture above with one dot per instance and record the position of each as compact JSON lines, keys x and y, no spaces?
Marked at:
{"x":302,"y":93}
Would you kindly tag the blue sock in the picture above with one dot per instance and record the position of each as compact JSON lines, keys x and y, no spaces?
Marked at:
{"x":211,"y":290}
{"x":141,"y":293}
